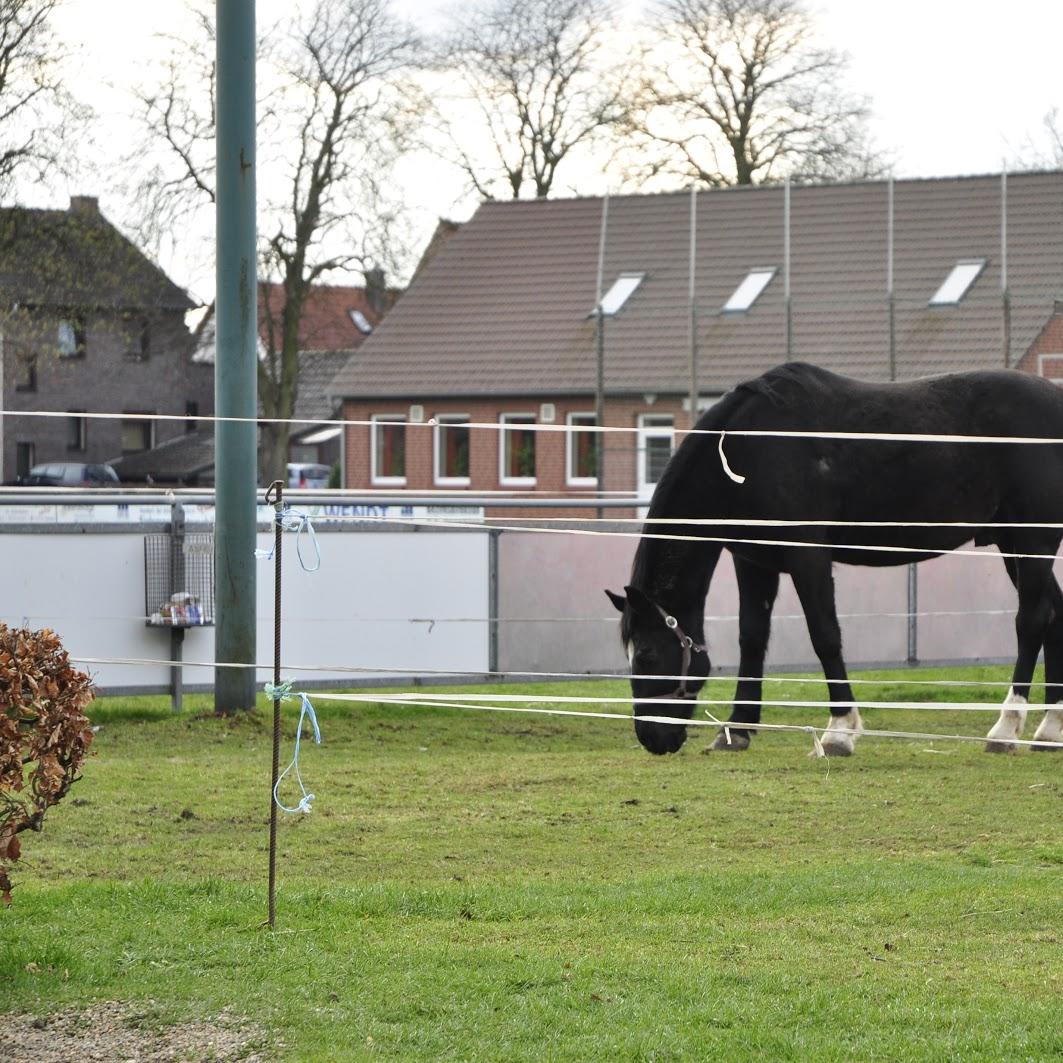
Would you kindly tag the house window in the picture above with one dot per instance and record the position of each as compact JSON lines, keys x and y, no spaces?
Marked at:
{"x":360,"y":322}
{"x":452,"y":450}
{"x":747,"y":293}
{"x":137,"y":435}
{"x":581,"y":450}
{"x":388,"y":449}
{"x":26,"y":373}
{"x":623,"y":288}
{"x":71,"y":338}
{"x":23,"y":458}
{"x":656,"y":438}
{"x":140,"y":347}
{"x":517,"y":452}
{"x":956,"y":285}
{"x":76,"y":431}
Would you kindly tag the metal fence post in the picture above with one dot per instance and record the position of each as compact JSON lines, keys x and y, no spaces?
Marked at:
{"x":236,"y":364}
{"x":177,"y":581}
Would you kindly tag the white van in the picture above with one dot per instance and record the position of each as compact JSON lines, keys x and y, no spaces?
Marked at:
{"x":308,"y":474}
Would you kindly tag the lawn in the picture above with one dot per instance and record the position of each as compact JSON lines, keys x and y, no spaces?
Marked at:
{"x":473,"y":886}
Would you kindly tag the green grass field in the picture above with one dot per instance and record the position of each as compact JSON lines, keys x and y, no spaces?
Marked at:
{"x":473,"y":886}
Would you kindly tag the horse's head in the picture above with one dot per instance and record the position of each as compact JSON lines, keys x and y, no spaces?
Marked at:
{"x":660,"y":644}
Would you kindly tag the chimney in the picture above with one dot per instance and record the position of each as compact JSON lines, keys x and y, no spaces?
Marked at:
{"x":85,"y":206}
{"x":376,"y":289}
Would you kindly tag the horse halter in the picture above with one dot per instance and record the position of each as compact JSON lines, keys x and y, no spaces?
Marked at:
{"x":689,"y":647}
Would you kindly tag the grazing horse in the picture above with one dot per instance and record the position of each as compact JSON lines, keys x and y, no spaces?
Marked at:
{"x":901,"y":496}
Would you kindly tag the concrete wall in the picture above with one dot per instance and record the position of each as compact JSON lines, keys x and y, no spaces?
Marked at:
{"x":554,"y":615}
{"x":381,"y":600}
{"x":394,"y":601}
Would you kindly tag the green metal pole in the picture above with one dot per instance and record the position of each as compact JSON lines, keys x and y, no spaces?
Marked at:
{"x":235,"y":366}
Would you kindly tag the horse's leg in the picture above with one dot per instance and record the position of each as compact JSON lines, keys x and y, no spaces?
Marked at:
{"x":1051,"y":727}
{"x":1031,"y":576}
{"x":757,"y":589}
{"x":814,"y":583}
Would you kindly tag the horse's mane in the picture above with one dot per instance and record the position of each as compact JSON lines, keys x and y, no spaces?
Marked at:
{"x":785,"y":385}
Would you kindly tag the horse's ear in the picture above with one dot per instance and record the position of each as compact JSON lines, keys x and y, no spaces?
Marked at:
{"x":638,"y":601}
{"x":618,"y":600}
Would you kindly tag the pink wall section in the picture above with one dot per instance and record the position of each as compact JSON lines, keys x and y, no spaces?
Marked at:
{"x":555,"y":616}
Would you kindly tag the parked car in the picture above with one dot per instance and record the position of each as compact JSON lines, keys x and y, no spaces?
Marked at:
{"x":308,"y":474}
{"x":70,"y":474}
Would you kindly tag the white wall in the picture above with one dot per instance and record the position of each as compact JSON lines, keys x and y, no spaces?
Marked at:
{"x":361,"y":609}
{"x":556,"y":618}
{"x":400,"y":601}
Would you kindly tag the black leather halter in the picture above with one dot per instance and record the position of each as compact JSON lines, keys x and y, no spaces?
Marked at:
{"x":689,"y":647}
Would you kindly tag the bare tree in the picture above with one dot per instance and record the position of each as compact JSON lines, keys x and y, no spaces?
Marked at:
{"x":738,"y":92}
{"x":332,"y":120}
{"x":35,"y":108}
{"x":1044,"y":152}
{"x":527,"y":82}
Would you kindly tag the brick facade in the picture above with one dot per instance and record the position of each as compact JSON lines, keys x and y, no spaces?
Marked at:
{"x":111,"y":376}
{"x":1045,"y":355}
{"x":485,"y":473}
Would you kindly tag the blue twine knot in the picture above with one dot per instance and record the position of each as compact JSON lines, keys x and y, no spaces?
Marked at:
{"x":280,"y":692}
{"x":295,"y":520}
{"x":307,"y":710}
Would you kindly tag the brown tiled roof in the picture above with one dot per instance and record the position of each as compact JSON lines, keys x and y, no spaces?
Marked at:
{"x":77,"y":258}
{"x":183,"y":459}
{"x":327,"y":324}
{"x":317,"y":370}
{"x":504,"y":306}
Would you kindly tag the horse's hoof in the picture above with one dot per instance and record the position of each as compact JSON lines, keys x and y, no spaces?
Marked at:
{"x":738,"y":744}
{"x":838,"y":749}
{"x":1000,"y":747}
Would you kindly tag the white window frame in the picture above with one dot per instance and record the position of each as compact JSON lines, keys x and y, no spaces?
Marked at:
{"x":442,"y":421}
{"x":622,"y":289}
{"x":647,"y":431}
{"x":383,"y":418}
{"x":966,"y":273}
{"x":750,"y":289}
{"x":71,"y":340}
{"x":141,"y":417}
{"x":525,"y":419}
{"x":570,"y":436}
{"x":78,"y":440}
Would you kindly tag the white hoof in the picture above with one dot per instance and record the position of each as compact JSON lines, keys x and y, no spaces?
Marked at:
{"x":839,"y":739}
{"x":1050,"y":730}
{"x":1008,"y":728}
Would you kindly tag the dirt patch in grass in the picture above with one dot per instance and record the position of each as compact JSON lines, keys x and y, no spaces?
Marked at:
{"x":114,"y":1031}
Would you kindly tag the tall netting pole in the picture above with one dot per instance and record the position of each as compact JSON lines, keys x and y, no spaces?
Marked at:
{"x":235,"y":367}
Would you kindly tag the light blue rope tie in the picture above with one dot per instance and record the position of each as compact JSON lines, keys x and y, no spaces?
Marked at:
{"x":283,"y":692}
{"x":295,"y":520}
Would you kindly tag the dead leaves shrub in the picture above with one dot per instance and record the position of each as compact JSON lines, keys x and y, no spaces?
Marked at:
{"x":44,"y":734}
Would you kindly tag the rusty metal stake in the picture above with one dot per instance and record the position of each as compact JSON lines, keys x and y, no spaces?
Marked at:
{"x":275,"y":497}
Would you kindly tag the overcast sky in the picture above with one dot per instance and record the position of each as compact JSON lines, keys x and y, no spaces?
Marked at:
{"x":956,"y":86}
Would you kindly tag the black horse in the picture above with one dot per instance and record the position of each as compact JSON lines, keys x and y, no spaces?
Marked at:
{"x":1007,"y":493}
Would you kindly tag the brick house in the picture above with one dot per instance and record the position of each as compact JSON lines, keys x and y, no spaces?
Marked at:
{"x":88,"y":324}
{"x":881,"y":280}
{"x":336,"y":319}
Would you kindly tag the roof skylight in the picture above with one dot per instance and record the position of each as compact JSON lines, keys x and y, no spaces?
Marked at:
{"x":623,"y":288}
{"x":361,"y":322}
{"x":747,"y":293}
{"x":957,"y":283}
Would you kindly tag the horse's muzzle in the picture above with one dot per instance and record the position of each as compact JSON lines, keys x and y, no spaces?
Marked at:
{"x":658,"y":738}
